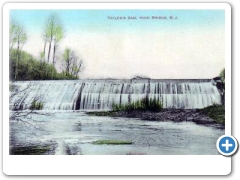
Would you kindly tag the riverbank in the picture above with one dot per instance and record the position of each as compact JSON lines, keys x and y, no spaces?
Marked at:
{"x":211,"y":116}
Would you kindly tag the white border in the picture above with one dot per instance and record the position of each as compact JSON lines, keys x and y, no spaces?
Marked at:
{"x":114,"y":165}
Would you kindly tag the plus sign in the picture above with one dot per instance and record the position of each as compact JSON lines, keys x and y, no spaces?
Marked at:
{"x":227,"y":145}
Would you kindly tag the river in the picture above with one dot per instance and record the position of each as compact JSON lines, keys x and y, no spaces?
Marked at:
{"x":72,"y":133}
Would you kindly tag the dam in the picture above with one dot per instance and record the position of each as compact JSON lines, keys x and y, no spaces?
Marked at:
{"x":101,"y":94}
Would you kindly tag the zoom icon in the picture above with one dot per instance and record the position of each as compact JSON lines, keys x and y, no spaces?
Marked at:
{"x":227,"y":145}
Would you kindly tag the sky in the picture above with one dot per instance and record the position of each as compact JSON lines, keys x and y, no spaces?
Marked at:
{"x":159,"y":44}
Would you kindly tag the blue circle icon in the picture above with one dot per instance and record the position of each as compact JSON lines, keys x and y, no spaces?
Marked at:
{"x":227,"y":145}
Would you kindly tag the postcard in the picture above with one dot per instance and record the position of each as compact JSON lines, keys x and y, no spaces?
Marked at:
{"x":128,"y":88}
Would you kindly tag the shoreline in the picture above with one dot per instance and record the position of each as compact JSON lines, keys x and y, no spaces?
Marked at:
{"x":174,"y":115}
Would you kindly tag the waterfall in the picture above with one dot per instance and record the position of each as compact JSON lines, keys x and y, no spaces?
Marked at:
{"x":101,"y":94}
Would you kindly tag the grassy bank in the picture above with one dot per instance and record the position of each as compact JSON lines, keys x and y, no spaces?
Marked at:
{"x":111,"y":142}
{"x":145,"y":104}
{"x":216,"y":112}
{"x":27,"y":67}
{"x":209,"y":115}
{"x":102,"y":113}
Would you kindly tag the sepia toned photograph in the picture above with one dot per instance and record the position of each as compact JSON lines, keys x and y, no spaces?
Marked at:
{"x":116,"y":81}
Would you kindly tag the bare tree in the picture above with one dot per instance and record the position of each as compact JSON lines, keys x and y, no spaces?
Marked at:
{"x":21,"y":114}
{"x":77,"y":67}
{"x":17,"y":113}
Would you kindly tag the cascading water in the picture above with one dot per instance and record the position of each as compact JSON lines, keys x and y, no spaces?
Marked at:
{"x":101,"y":94}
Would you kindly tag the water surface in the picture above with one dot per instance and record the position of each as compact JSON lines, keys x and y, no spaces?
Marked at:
{"x":73,"y":133}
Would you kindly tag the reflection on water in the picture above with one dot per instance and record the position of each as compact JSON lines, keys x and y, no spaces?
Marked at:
{"x":72,"y":133}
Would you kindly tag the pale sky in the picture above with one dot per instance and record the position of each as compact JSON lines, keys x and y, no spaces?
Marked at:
{"x":191,"y":46}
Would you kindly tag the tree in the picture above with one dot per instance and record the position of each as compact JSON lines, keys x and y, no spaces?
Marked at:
{"x":53,"y":33}
{"x":18,"y":37}
{"x":72,"y":63}
{"x":23,"y":118}
{"x":76,"y":67}
{"x":67,"y":56}
{"x":19,"y":104}
{"x":45,"y":38}
{"x":12,"y":35}
{"x":58,"y":37}
{"x":222,"y":76}
{"x":30,"y":68}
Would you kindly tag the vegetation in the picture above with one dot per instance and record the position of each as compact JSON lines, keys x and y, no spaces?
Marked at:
{"x":150,"y":104}
{"x":53,"y":34}
{"x":24,"y":67}
{"x":72,"y":64}
{"x":29,"y":68}
{"x":30,"y":150}
{"x":17,"y":38}
{"x":221,"y":87}
{"x":216,"y":112}
{"x":111,"y":142}
{"x":36,"y":105}
{"x":145,"y":104}
{"x":102,"y":113}
{"x":222,"y":76}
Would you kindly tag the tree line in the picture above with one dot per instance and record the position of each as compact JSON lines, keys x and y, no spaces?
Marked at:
{"x":23,"y":66}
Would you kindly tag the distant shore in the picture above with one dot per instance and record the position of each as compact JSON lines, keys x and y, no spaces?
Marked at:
{"x":175,"y":115}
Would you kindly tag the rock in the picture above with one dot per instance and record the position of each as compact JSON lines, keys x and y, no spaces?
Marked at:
{"x":175,"y":115}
